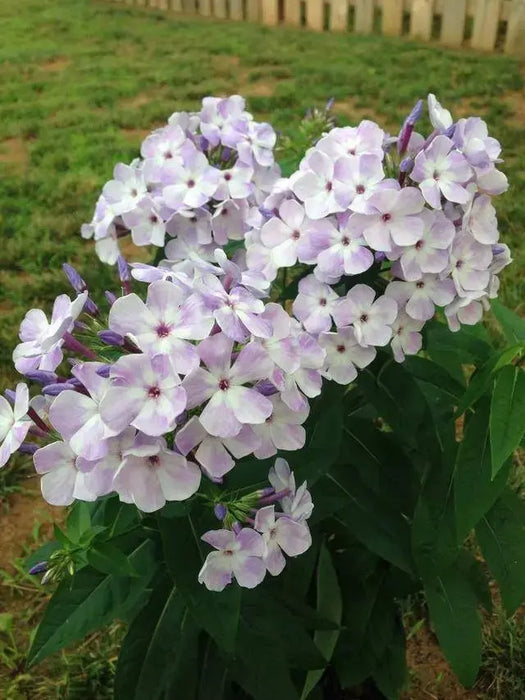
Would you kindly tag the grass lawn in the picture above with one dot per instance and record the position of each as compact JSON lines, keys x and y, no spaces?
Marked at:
{"x":81,"y":83}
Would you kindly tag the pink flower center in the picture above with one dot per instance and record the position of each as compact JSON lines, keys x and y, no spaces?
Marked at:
{"x":296,"y":235}
{"x":163,"y":330}
{"x":419,"y":245}
{"x":363,"y":318}
{"x":227,"y":177}
{"x":168,"y":155}
{"x":459,"y":264}
{"x":360,"y":189}
{"x":322,"y":302}
{"x":154,"y":392}
{"x":190,"y":184}
{"x":436,"y":175}
{"x":224,"y":384}
{"x":328,"y":187}
{"x":352,"y":151}
{"x":420,"y":285}
{"x":154,"y":219}
{"x":340,"y":348}
{"x":386,"y":217}
{"x":154,"y":461}
{"x":345,"y":241}
{"x":227,"y":552}
{"x":133,"y":192}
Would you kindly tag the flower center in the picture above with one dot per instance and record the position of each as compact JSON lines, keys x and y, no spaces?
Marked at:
{"x":352,"y":151}
{"x":163,"y":330}
{"x":340,"y":348}
{"x":296,"y":235}
{"x":420,"y":285}
{"x":322,"y":302}
{"x":154,"y":219}
{"x":227,"y":176}
{"x":363,"y":318}
{"x":459,"y":264}
{"x":386,"y":217}
{"x":328,"y":187}
{"x":133,"y":192}
{"x":154,"y":392}
{"x":227,"y":552}
{"x":360,"y":189}
{"x":224,"y":384}
{"x":436,"y":175}
{"x":168,"y":155}
{"x":345,"y":241}
{"x":190,"y":184}
{"x":419,"y":245}
{"x":154,"y":461}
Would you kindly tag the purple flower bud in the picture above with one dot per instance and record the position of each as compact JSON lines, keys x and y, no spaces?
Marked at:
{"x":81,"y":326}
{"x":71,"y":343}
{"x":406,"y":165}
{"x":450,"y":131}
{"x":39,"y":568}
{"x":28,"y":448}
{"x":10,"y":395}
{"x":182,"y":418}
{"x":226,"y":154}
{"x":123,"y":269}
{"x":497,"y":249}
{"x":415,"y":114}
{"x":329,"y":104}
{"x":56,"y":389}
{"x":74,"y":279}
{"x":104,"y":371}
{"x":236,"y":527}
{"x":408,"y":127}
{"x":267,"y":213}
{"x":111,"y":298}
{"x":42,"y":376}
{"x":379,"y":256}
{"x":91,"y":308}
{"x":266,"y":388}
{"x":220,"y":511}
{"x":111,"y":338}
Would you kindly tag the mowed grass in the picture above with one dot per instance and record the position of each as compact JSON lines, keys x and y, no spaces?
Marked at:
{"x":82,"y":82}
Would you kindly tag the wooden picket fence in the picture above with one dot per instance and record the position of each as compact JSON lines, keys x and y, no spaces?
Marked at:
{"x":481,"y":24}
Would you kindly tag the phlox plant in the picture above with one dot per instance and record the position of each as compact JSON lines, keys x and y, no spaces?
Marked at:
{"x":292,"y":419}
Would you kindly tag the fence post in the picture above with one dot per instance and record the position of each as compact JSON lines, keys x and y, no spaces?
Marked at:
{"x":292,"y":12}
{"x":252,"y":10}
{"x":364,"y":16}
{"x":270,"y":11}
{"x":515,"y":41}
{"x":392,"y":17}
{"x":486,"y":18}
{"x":236,"y":9}
{"x":219,"y":9}
{"x":421,"y":19}
{"x":315,"y":14}
{"x":338,"y":15}
{"x":453,"y":22}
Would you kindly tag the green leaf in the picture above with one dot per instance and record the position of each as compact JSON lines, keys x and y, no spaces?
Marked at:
{"x":390,"y":672}
{"x":452,"y":350}
{"x":329,"y":605}
{"x":501,"y":536}
{"x":89,"y":600}
{"x":482,"y":378}
{"x":507,"y":415}
{"x":151,"y":646}
{"x":452,"y":602}
{"x":213,"y":673}
{"x":475,"y":490}
{"x":432,"y":373}
{"x":513,"y":325}
{"x":78,"y":521}
{"x":108,"y":559}
{"x":372,"y":520}
{"x":217,"y":613}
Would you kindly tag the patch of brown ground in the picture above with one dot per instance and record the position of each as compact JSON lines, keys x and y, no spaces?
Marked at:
{"x":136,"y":136}
{"x":14,"y":154}
{"x":355,"y":112}
{"x":24,"y":510}
{"x":430,"y":675}
{"x":55,"y":65}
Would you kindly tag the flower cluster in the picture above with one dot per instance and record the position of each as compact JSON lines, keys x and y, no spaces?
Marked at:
{"x":247,"y":553}
{"x":193,"y":367}
{"x":416,"y":211}
{"x":197,"y":180}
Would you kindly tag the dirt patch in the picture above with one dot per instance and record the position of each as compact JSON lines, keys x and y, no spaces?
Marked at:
{"x":515,"y":100}
{"x":55,"y":65}
{"x":140,"y":100}
{"x":355,"y":112}
{"x":136,"y":136}
{"x":15,"y":155}
{"x":24,"y":510}
{"x":430,"y":675}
